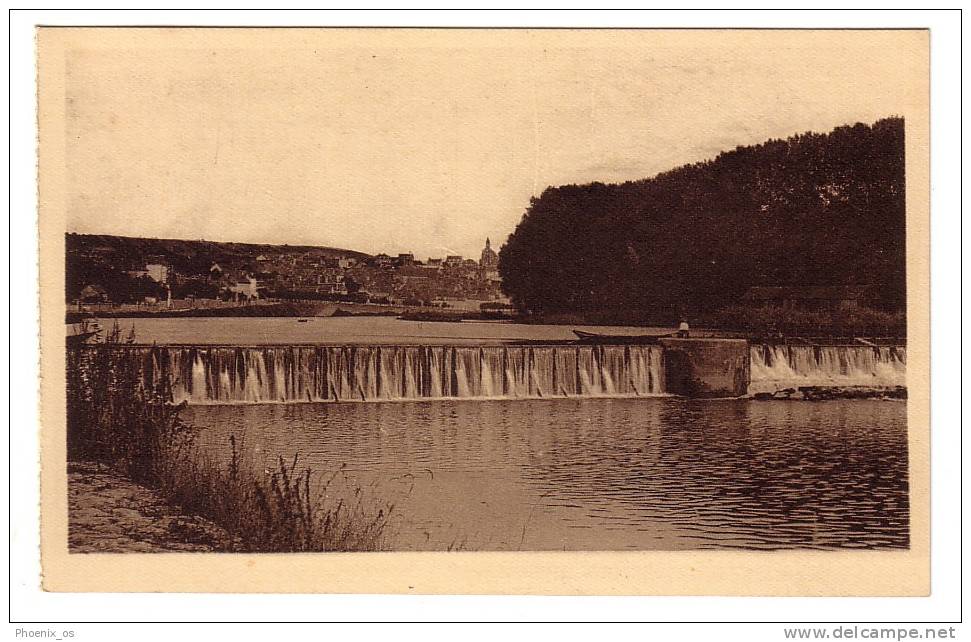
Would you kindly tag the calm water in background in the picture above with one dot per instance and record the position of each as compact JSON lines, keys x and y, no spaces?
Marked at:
{"x":345,"y":330}
{"x":601,"y":474}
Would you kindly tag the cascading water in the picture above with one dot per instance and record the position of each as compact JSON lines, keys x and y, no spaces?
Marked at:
{"x":775,"y":367}
{"x":370,"y":373}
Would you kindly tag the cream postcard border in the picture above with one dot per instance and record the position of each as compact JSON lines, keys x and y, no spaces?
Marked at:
{"x":795,"y":573}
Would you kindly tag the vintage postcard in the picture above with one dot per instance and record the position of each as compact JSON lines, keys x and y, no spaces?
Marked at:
{"x":485,"y":311}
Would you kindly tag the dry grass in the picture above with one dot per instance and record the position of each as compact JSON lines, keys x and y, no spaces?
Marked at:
{"x":279,"y":510}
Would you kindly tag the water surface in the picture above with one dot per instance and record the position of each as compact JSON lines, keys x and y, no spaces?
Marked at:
{"x":601,"y":474}
{"x":346,"y":330}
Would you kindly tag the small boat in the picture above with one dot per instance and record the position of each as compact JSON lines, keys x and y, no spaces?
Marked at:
{"x":592,"y":337}
{"x":302,"y":320}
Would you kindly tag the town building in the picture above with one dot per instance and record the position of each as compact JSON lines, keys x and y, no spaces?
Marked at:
{"x":489,"y":259}
{"x":244,"y":289}
{"x":93,"y":293}
{"x":382,"y":260}
{"x":489,"y":265}
{"x":158,"y":272}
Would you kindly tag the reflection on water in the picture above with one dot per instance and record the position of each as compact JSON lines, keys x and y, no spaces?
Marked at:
{"x":604,"y":474}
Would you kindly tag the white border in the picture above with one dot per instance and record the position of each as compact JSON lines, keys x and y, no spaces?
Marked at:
{"x":31,"y":604}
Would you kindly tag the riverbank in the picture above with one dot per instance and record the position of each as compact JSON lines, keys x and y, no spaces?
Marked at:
{"x":261,"y":310}
{"x":108,"y":513}
{"x":446,"y":316}
{"x":763,"y":323}
{"x":300,"y":309}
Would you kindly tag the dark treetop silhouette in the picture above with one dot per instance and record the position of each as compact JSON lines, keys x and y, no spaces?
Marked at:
{"x":815,"y":209}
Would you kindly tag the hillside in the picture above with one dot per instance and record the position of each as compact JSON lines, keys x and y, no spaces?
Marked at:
{"x":815,"y":209}
{"x":104,"y":259}
{"x":190,"y":257}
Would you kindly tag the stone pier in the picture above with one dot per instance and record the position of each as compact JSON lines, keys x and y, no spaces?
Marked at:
{"x":703,"y":368}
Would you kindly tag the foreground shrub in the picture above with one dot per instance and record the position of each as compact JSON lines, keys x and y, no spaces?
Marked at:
{"x":118,"y":416}
{"x":277,"y":510}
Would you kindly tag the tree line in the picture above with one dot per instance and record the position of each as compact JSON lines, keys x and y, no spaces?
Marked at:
{"x":814,"y":209}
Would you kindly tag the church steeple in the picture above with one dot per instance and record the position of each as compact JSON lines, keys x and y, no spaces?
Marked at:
{"x":489,"y":259}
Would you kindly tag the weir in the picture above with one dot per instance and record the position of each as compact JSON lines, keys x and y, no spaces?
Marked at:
{"x":372,"y":373}
{"x":319,"y":373}
{"x":786,"y":366}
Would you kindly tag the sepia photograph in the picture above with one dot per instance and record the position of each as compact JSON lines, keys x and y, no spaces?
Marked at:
{"x":477,"y":291}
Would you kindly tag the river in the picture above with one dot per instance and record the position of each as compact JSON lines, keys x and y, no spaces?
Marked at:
{"x":600,"y":474}
{"x":493,"y":446}
{"x":346,"y":330}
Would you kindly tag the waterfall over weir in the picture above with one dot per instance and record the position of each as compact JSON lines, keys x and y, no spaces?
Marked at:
{"x":783,"y":366}
{"x":374,"y":373}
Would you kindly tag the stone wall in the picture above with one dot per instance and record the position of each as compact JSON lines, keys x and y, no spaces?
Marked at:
{"x":706,"y":367}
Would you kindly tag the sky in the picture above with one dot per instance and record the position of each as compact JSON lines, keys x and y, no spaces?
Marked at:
{"x":427,"y":142}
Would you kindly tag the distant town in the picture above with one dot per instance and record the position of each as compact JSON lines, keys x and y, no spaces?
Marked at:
{"x":162,"y":273}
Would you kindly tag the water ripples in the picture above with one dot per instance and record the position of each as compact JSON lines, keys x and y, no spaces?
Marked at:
{"x":606,"y":474}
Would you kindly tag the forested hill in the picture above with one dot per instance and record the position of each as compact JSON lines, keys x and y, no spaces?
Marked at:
{"x":104,"y":259}
{"x":187,"y":256}
{"x":815,"y":209}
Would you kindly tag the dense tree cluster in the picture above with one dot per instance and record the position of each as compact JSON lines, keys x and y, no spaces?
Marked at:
{"x":816,"y":209}
{"x":116,"y":282}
